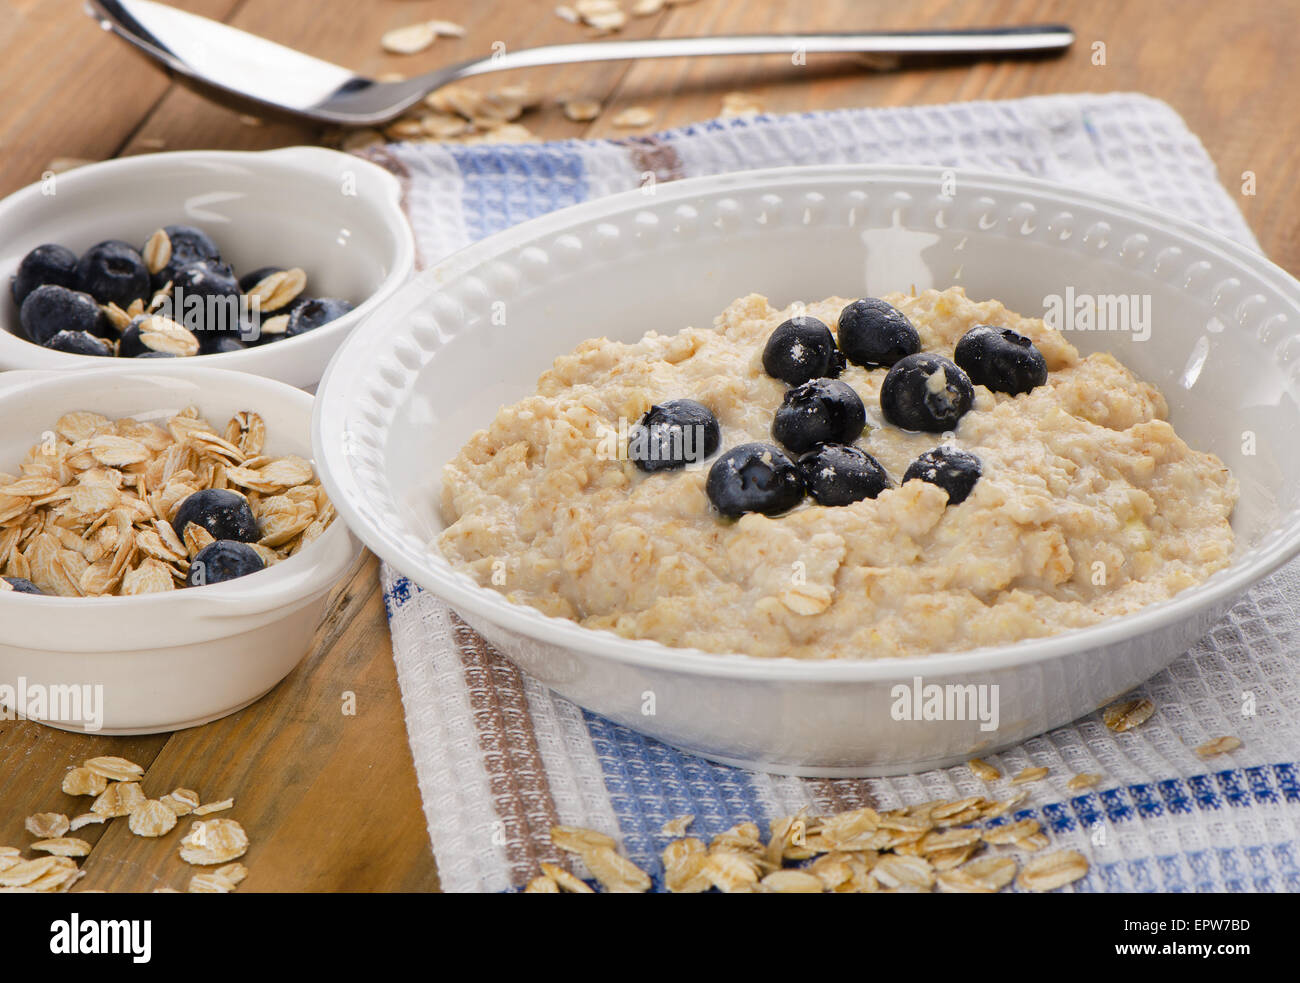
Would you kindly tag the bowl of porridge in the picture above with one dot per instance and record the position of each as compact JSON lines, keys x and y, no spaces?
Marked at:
{"x":855,"y":477}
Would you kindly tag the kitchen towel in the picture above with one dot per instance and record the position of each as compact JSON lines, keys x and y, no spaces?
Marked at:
{"x":500,"y":758}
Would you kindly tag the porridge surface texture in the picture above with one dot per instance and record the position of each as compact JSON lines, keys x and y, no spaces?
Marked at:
{"x":1090,"y":506}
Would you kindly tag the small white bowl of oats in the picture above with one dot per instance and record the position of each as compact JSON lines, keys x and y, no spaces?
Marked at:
{"x":290,"y":227}
{"x":114,"y":620}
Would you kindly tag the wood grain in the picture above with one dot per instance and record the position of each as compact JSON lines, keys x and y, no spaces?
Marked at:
{"x":330,"y":801}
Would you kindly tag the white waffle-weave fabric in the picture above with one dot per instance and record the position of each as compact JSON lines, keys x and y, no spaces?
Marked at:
{"x":500,"y":758}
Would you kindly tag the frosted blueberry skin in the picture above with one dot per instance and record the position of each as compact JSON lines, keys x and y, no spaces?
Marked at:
{"x":821,"y":411}
{"x":954,"y":470}
{"x":840,"y":474}
{"x":915,"y":396}
{"x":50,"y":264}
{"x":223,"y":513}
{"x":80,"y":343}
{"x":672,"y":435}
{"x":221,"y":561}
{"x":1001,"y":360}
{"x":189,"y":246}
{"x":113,"y":273}
{"x":311,"y":315}
{"x":800,"y":349}
{"x":754,"y":478}
{"x":50,"y":309}
{"x":22,"y":585}
{"x":875,"y":334}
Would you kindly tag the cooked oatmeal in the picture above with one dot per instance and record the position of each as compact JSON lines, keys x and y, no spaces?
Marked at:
{"x":1089,"y":505}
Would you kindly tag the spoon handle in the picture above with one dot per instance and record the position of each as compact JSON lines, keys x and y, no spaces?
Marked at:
{"x":1044,"y":38}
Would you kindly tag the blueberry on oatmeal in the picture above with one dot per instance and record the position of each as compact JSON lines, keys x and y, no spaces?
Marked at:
{"x":876,"y":334}
{"x":800,"y":349}
{"x":251,"y":279}
{"x":1000,"y":359}
{"x":672,"y":435}
{"x":206,"y":301}
{"x":311,"y":315}
{"x":926,"y":392}
{"x":50,"y":264}
{"x":821,"y":411}
{"x":113,"y":273}
{"x":80,"y":343}
{"x":954,"y":470}
{"x":840,"y":474}
{"x":223,"y":513}
{"x":22,"y":585}
{"x":50,"y":309}
{"x":754,"y":478}
{"x":223,"y":560}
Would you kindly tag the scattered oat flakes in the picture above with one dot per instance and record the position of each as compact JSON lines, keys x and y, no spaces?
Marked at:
{"x":45,"y":825}
{"x":118,"y":800}
{"x":1052,"y":870}
{"x":541,"y":884}
{"x":157,"y":251}
{"x":211,"y":807}
{"x":567,"y":882}
{"x":1220,"y":745}
{"x":581,"y":110}
{"x":214,"y":841}
{"x":678,"y":826}
{"x":114,"y":769}
{"x":220,"y":881}
{"x":1129,"y":714}
{"x":1010,"y":832}
{"x":151,"y":818}
{"x":647,"y":8}
{"x":409,"y":40}
{"x":63,"y":846}
{"x":1027,"y":775}
{"x":740,"y":104}
{"x":1085,"y":779}
{"x":616,"y":873}
{"x":983,"y":770}
{"x":83,"y":781}
{"x":447,"y":29}
{"x":633,"y":116}
{"x":86,"y":819}
{"x":792,"y":881}
{"x":575,"y":839}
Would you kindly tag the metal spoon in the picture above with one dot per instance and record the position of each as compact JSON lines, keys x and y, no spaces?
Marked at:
{"x":251,"y":73}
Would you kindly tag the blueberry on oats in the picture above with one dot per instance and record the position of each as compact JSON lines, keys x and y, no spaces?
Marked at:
{"x":50,"y":309}
{"x":45,"y":265}
{"x":315,"y":312}
{"x":840,"y":474}
{"x":925,"y":392}
{"x":1001,"y":359}
{"x":113,"y":273}
{"x":874,"y":333}
{"x":952,"y":469}
{"x":221,"y":561}
{"x":672,"y":435}
{"x":223,"y":513}
{"x":80,"y":343}
{"x":754,"y":478}
{"x":800,"y":349}
{"x":821,"y":411}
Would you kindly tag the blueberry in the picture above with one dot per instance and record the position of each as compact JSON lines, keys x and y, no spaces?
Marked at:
{"x":839,"y":474}
{"x":800,"y":349}
{"x":1001,"y":359}
{"x":132,"y":345}
{"x":754,"y":478}
{"x":953,"y":470}
{"x":875,"y":334}
{"x":250,"y":280}
{"x":80,"y":343}
{"x":311,"y":315}
{"x":821,"y":411}
{"x":48,"y":264}
{"x":189,"y":246}
{"x":22,"y":585}
{"x":224,"y":343}
{"x":672,"y":435}
{"x":51,"y":309}
{"x":262,"y":328}
{"x":223,"y":513}
{"x":205,"y":299}
{"x":925,"y":392}
{"x":113,"y":273}
{"x":221,"y":561}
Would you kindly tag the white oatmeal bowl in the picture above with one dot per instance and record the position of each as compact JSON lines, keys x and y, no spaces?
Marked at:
{"x":156,"y":662}
{"x":335,"y":216}
{"x":417,"y":381}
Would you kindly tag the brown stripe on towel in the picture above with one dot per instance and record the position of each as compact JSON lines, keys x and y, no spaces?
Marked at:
{"x":839,"y":794}
{"x":516,"y":774}
{"x":654,"y":156}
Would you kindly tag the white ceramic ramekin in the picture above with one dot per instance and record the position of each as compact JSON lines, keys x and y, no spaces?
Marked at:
{"x":177,"y":659}
{"x":336,"y":216}
{"x":434,"y":364}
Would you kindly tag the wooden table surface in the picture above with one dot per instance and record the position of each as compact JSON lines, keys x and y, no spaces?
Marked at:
{"x":330,"y":800}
